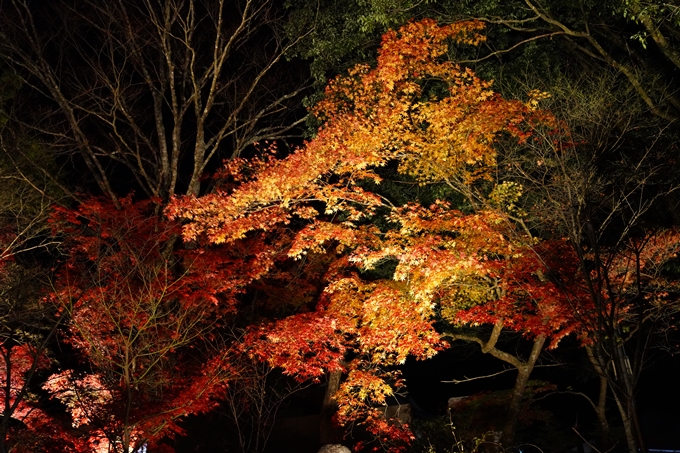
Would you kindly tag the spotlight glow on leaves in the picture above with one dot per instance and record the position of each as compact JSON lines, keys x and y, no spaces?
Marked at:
{"x":439,"y":122}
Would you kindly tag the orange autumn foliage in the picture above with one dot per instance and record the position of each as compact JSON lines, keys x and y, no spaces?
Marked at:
{"x":372,"y":117}
{"x":439,"y":122}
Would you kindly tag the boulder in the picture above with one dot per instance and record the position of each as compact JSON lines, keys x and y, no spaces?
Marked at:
{"x":334,"y":448}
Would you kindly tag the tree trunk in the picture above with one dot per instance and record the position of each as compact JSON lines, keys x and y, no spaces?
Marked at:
{"x":601,"y":408}
{"x":329,"y":433}
{"x":524,"y":369}
{"x":625,"y":401}
{"x":627,"y":424}
{"x":523,"y":373}
{"x":618,"y":375}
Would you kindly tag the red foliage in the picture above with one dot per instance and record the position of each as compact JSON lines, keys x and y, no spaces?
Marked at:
{"x":142,"y":310}
{"x":537,"y":296}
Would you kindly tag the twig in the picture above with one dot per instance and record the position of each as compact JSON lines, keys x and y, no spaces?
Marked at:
{"x":588,"y":443}
{"x":499,"y":52}
{"x":467,"y":379}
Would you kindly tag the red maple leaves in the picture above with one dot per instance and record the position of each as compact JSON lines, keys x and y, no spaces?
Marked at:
{"x":138,"y":309}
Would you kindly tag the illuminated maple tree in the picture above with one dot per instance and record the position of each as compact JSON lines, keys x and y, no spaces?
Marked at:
{"x":439,"y":123}
{"x":26,"y":325}
{"x":608,"y":214}
{"x":27,"y":328}
{"x":319,"y":269}
{"x":143,"y":316}
{"x":620,"y":295}
{"x":473,"y":272}
{"x":29,"y":426}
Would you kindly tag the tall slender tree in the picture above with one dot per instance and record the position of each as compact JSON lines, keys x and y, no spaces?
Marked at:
{"x":147,"y":89}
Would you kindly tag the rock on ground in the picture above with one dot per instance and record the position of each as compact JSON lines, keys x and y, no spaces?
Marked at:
{"x":334,"y":448}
